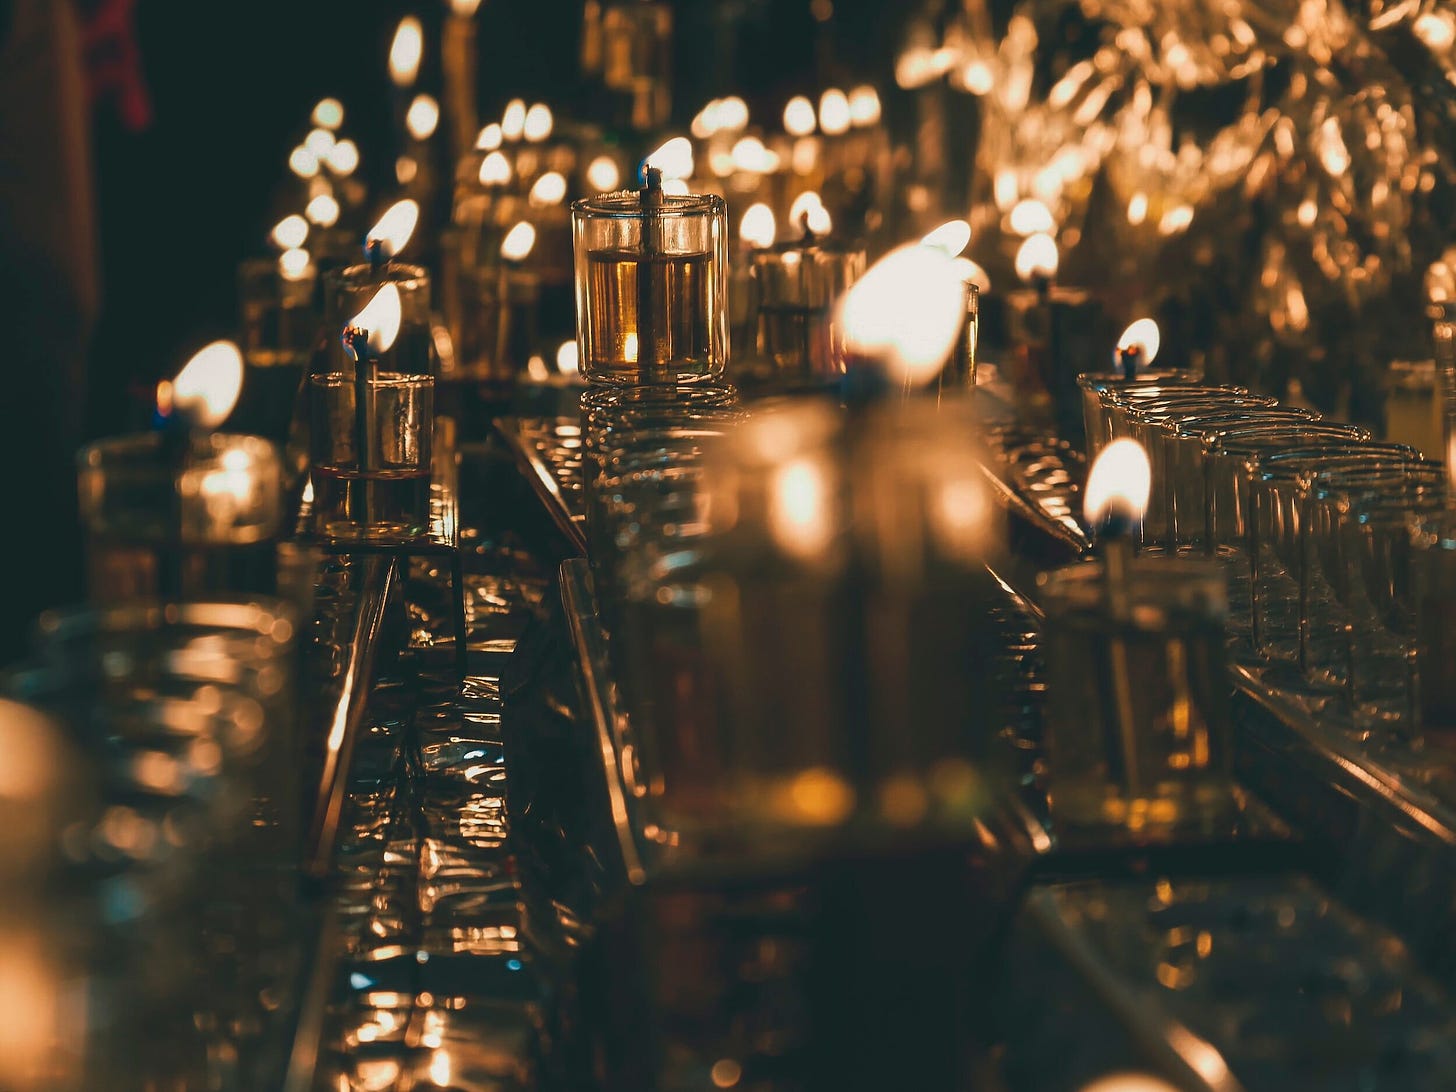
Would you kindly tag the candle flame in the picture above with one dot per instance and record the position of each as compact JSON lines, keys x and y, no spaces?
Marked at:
{"x":971,"y":273}
{"x":381,"y":319}
{"x":464,"y":8}
{"x":290,"y":232}
{"x":758,"y":228}
{"x":323,"y":210}
{"x":732,"y":114}
{"x":1038,"y":254}
{"x":675,"y":187}
{"x":808,"y":204}
{"x":489,"y":138}
{"x":513,"y":121}
{"x":602,"y":174}
{"x":705,"y":121}
{"x":320,"y":142}
{"x":495,"y":170}
{"x":950,"y":238}
{"x":1031,"y":217}
{"x":550,"y":189}
{"x":395,"y":227}
{"x":1144,"y":334}
{"x":906,"y":312}
{"x":518,"y":242}
{"x":328,"y":114}
{"x":343,"y":158}
{"x":751,"y":155}
{"x":1119,"y":483}
{"x":207,"y":388}
{"x":293,"y":264}
{"x":834,"y":112}
{"x":405,"y":169}
{"x":538,"y":123}
{"x":303,"y":162}
{"x":799,"y":118}
{"x":864,"y":106}
{"x":674,"y":158}
{"x":405,"y":51}
{"x":568,"y":358}
{"x":800,"y":513}
{"x":422,"y":117}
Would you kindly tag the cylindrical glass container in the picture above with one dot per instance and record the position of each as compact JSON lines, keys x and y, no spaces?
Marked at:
{"x":187,"y":525}
{"x":1094,"y":414}
{"x":348,"y":291}
{"x":386,"y":495}
{"x":1138,"y":717}
{"x":795,"y":287}
{"x":959,"y":373}
{"x":280,"y":326}
{"x":651,"y":287}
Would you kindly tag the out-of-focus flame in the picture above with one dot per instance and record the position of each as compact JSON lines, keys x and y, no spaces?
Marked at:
{"x":289,"y":232}
{"x":971,"y":273}
{"x":538,"y":123}
{"x":381,"y":317}
{"x":568,"y":358}
{"x":757,"y":228}
{"x":303,"y":162}
{"x":629,"y":347}
{"x":673,"y":158}
{"x":328,"y":114}
{"x":395,"y":227}
{"x":906,"y":312}
{"x":293,"y":264}
{"x":207,"y":388}
{"x":405,"y":169}
{"x":950,"y":238}
{"x":464,"y":8}
{"x":800,"y":509}
{"x":1137,"y":208}
{"x":320,"y":142}
{"x":799,"y":117}
{"x":513,"y":121}
{"x":1119,"y":483}
{"x":536,"y":369}
{"x":440,"y":1074}
{"x":811,"y":204}
{"x":751,"y":155}
{"x":732,"y":114}
{"x":1030,"y":217}
{"x":495,"y":169}
{"x":422,"y":117}
{"x":1037,"y":255}
{"x":834,"y":113}
{"x":1129,"y":1082}
{"x":550,"y":189}
{"x":602,"y":174}
{"x":405,"y":51}
{"x":343,"y":158}
{"x":960,"y":514}
{"x":489,"y":138}
{"x":323,"y":210}
{"x":1142,"y":334}
{"x":864,"y":106}
{"x":518,"y":242}
{"x":1436,"y":29}
{"x":705,"y":121}
{"x":675,"y":187}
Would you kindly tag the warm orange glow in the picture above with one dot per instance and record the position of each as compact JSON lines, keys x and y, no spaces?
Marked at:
{"x":320,"y":142}
{"x":405,"y":169}
{"x":950,"y":238}
{"x":1120,"y":481}
{"x":1030,"y":217}
{"x":207,"y":388}
{"x":323,"y":210}
{"x":550,"y":189}
{"x":906,"y":312}
{"x":864,"y":106}
{"x":405,"y":51}
{"x":673,"y":158}
{"x":972,"y":273}
{"x":513,"y":121}
{"x":381,"y":318}
{"x":757,"y":228}
{"x":464,"y":8}
{"x":423,"y":117}
{"x":602,"y":174}
{"x":675,"y":187}
{"x":732,"y":114}
{"x":290,"y":232}
{"x":328,"y":114}
{"x":392,"y":232}
{"x":303,"y":162}
{"x":489,"y":138}
{"x":834,"y":112}
{"x":294,"y":264}
{"x":343,"y":158}
{"x":799,"y":117}
{"x":568,"y":358}
{"x":495,"y":170}
{"x":705,"y":121}
{"x":751,"y":155}
{"x":518,"y":242}
{"x":1037,"y":255}
{"x":800,"y":512}
{"x":1143,"y":333}
{"x":538,"y":123}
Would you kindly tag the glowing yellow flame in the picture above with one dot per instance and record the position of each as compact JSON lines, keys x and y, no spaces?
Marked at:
{"x":536,"y":369}
{"x":538,"y":123}
{"x":405,"y":169}
{"x":395,"y":227}
{"x":1030,"y":216}
{"x":293,"y":264}
{"x":320,"y":142}
{"x":950,"y":238}
{"x":1137,"y":208}
{"x":303,"y":162}
{"x":906,"y":312}
{"x":675,"y":187}
{"x":1037,"y":255}
{"x":381,"y":317}
{"x":550,"y":189}
{"x":464,"y":8}
{"x":495,"y":170}
{"x":602,"y":174}
{"x":732,"y":114}
{"x":489,"y":138}
{"x":568,"y":358}
{"x":758,"y":227}
{"x":405,"y":51}
{"x":978,"y":77}
{"x":513,"y":121}
{"x":1120,"y":482}
{"x":960,"y":515}
{"x":864,"y":106}
{"x":518,"y":242}
{"x":799,"y":117}
{"x":1436,"y":29}
{"x":1144,"y":332}
{"x":290,"y":232}
{"x":705,"y":121}
{"x":328,"y":114}
{"x":422,"y":117}
{"x":344,"y":158}
{"x":805,"y":202}
{"x":207,"y":388}
{"x":800,"y":509}
{"x":674,"y":158}
{"x":323,"y":210}
{"x":752,"y":155}
{"x":971,"y":273}
{"x":834,"y":112}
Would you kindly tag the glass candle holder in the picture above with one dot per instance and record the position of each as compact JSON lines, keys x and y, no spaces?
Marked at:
{"x":1094,"y":384}
{"x":349,"y":290}
{"x":651,"y":288}
{"x":492,"y":312}
{"x":385,"y":495}
{"x":280,"y":326}
{"x":1138,"y":717}
{"x":155,"y":525}
{"x":794,"y":289}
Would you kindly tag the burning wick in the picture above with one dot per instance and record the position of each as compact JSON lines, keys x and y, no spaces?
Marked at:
{"x":1137,"y":348}
{"x":390,"y":235}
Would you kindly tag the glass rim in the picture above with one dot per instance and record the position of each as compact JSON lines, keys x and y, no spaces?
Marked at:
{"x":1231,"y":423}
{"x":627,"y":205}
{"x":381,"y":379}
{"x":364,"y":275}
{"x":1140,"y":392}
{"x":1092,"y":381}
{"x":1246,"y":444}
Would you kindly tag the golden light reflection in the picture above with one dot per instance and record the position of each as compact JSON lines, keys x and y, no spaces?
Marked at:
{"x":405,"y":51}
{"x":568,"y":358}
{"x":393,"y":231}
{"x":381,"y":317}
{"x":464,"y":8}
{"x":207,"y":388}
{"x":757,"y":228}
{"x":799,"y":117}
{"x":1120,"y":481}
{"x":518,"y":242}
{"x":800,"y":509}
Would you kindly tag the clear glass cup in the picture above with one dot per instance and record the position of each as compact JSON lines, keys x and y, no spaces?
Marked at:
{"x":794,"y":289}
{"x":386,"y":495}
{"x":1094,"y":385}
{"x":1117,"y":400}
{"x":280,"y":324}
{"x":651,"y":288}
{"x":348,"y":291}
